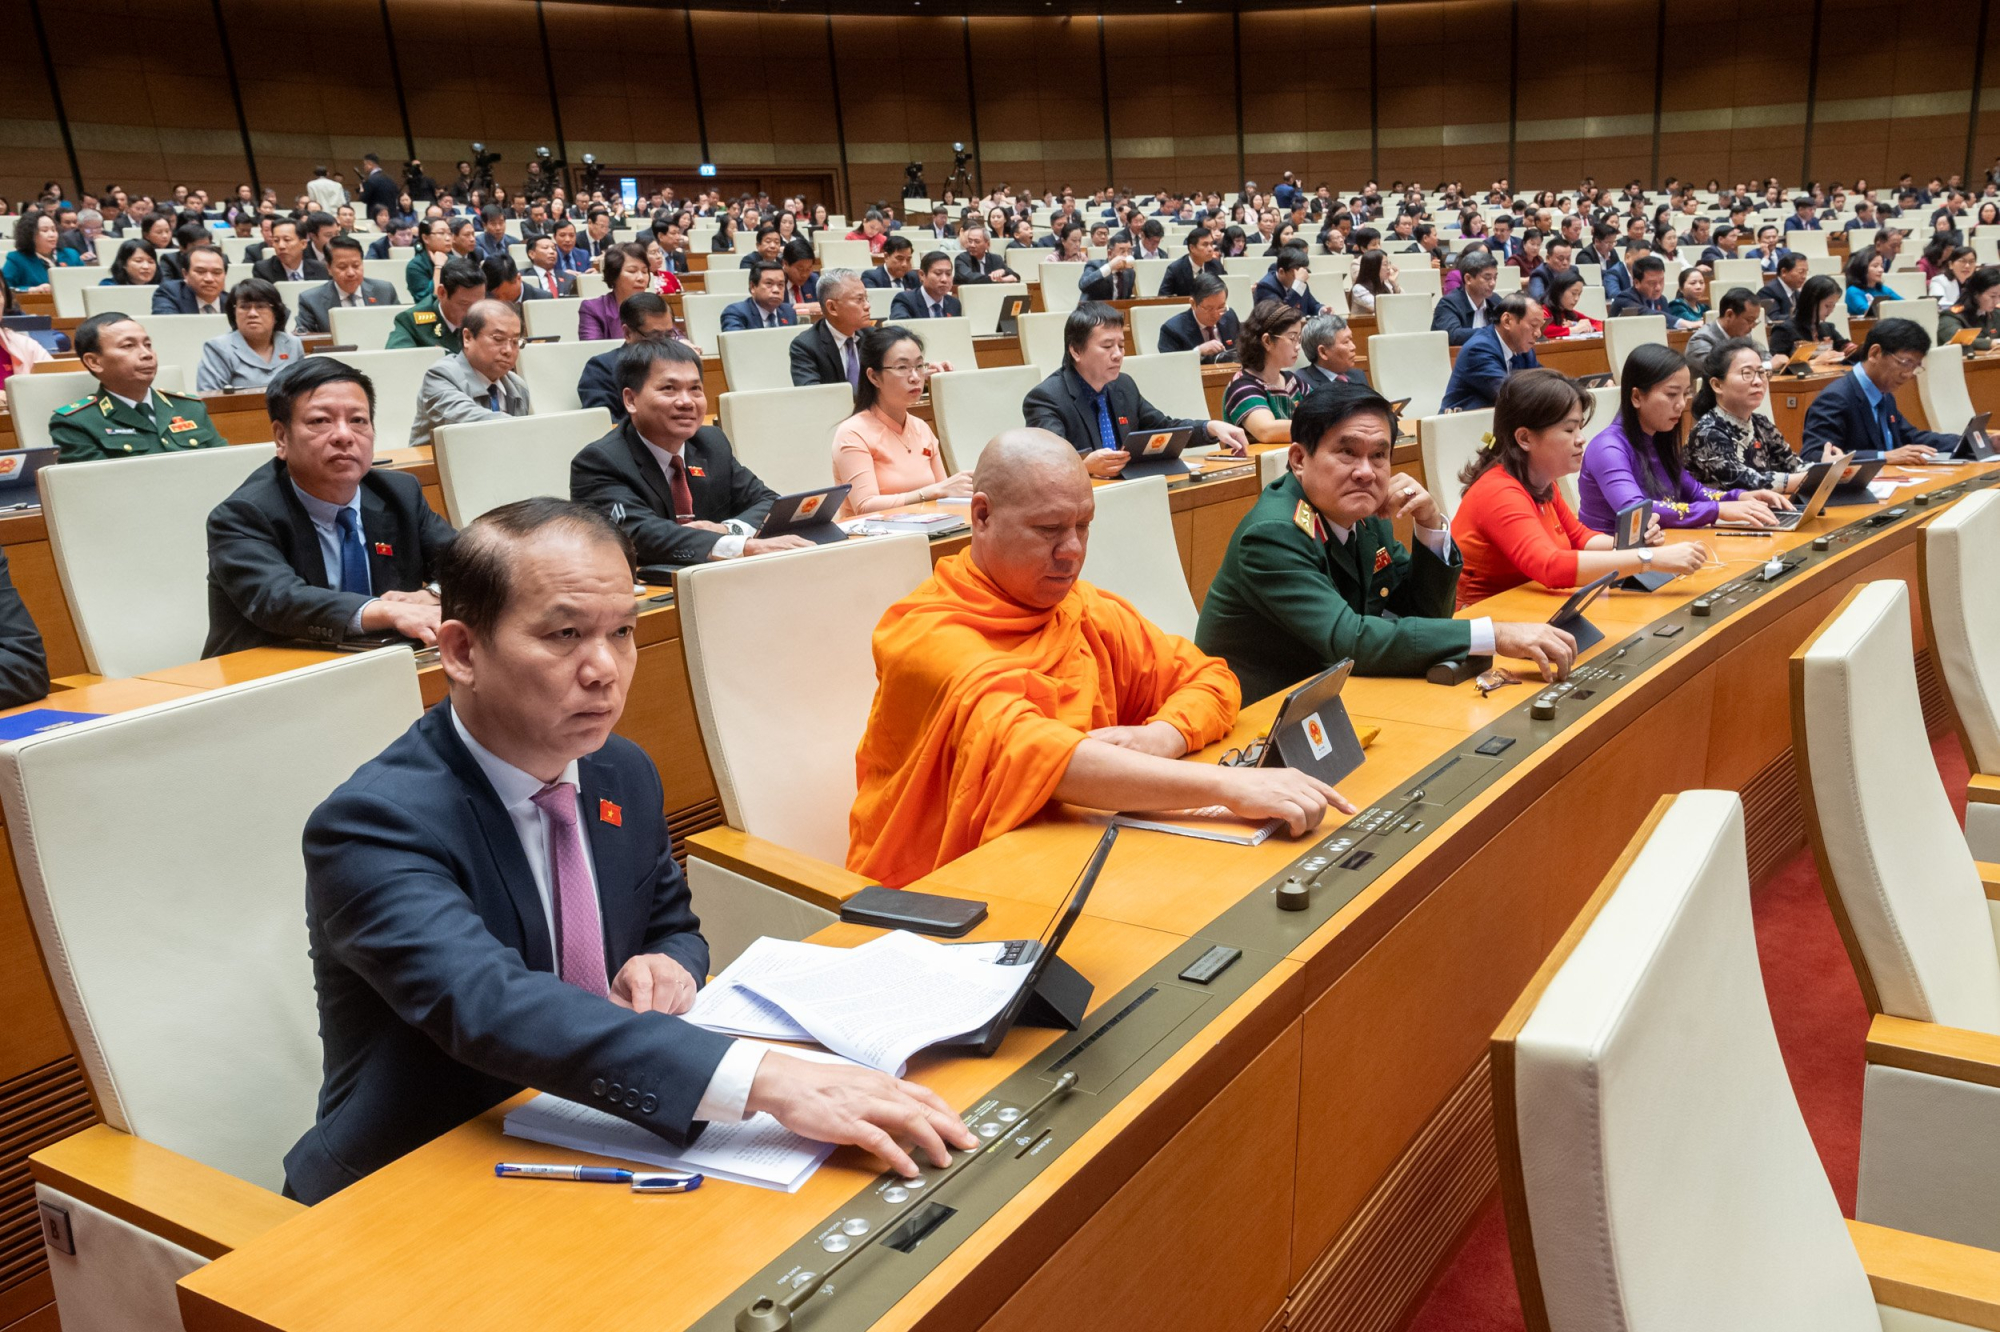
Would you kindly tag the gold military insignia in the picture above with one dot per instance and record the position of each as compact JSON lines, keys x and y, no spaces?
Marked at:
{"x":1303,"y":515}
{"x":422,"y":317}
{"x":180,"y":425}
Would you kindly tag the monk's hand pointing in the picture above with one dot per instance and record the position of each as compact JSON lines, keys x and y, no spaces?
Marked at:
{"x":1280,"y":793}
{"x":1160,"y":739}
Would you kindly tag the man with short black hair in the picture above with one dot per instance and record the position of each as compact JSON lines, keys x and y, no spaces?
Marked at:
{"x":765,"y":306}
{"x":126,"y":416}
{"x":319,"y":545}
{"x":545,"y":272}
{"x":898,"y":269}
{"x":1112,"y":278}
{"x":1178,"y":280}
{"x":288,"y":260}
{"x":347,"y":288}
{"x":1286,"y":283}
{"x":644,"y":316}
{"x":439,"y":321}
{"x":493,"y":238}
{"x":1804,"y":217}
{"x":200,"y":290}
{"x":1645,"y":295}
{"x":1858,"y":414}
{"x":1736,"y":312}
{"x":1555,"y":262}
{"x":932,"y":299}
{"x":1470,"y":308}
{"x":1782,"y":291}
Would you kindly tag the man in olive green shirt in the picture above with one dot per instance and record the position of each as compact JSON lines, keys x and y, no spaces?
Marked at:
{"x":440,"y":321}
{"x":1314,"y":573}
{"x":126,"y":416}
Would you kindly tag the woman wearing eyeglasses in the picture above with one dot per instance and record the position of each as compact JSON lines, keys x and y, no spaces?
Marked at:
{"x":1734,"y":446}
{"x":887,"y":454}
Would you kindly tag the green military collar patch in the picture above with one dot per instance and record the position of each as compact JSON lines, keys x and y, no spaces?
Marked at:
{"x":75,"y":407}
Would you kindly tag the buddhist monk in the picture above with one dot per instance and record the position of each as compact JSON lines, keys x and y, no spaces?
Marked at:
{"x":1005,"y":682}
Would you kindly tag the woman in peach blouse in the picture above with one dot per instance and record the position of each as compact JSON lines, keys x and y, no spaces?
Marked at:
{"x":889,"y":456}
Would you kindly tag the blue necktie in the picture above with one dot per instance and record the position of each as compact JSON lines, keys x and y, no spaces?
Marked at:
{"x":1104,"y":430}
{"x":353,"y":555}
{"x":1888,"y":431}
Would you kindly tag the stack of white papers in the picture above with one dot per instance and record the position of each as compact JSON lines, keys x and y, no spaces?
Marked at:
{"x":877,"y":1004}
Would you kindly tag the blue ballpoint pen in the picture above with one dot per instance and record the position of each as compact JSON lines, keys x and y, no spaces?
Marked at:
{"x":662,"y":1181}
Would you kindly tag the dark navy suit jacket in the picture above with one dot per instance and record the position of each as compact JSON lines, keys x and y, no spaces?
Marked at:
{"x":1842,"y":415}
{"x":1482,"y":363}
{"x":438,"y":995}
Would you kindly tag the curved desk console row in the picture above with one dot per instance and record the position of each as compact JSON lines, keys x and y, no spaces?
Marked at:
{"x":1295,"y":1143}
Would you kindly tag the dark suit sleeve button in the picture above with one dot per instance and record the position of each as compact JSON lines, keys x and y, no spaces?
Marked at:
{"x":632,"y":1099}
{"x":649,"y":1105}
{"x":597,"y":1087}
{"x":616,"y":1091}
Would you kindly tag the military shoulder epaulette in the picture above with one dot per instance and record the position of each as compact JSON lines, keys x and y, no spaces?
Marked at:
{"x":76,"y":406}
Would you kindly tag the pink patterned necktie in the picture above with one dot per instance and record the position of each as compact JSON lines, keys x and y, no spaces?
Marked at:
{"x":580,"y":930}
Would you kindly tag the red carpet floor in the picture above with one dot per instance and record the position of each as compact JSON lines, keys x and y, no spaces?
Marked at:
{"x":1822,"y":1024}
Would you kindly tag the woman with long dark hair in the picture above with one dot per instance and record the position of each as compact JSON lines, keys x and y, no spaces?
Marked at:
{"x":135,"y":265}
{"x":1374,"y":275}
{"x":1808,"y":323}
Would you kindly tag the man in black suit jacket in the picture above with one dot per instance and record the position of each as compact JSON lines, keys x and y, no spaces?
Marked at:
{"x":320,"y":544}
{"x":289,"y":261}
{"x":711,"y":506}
{"x":977,"y":264}
{"x":1200,"y":257}
{"x":830,"y":351}
{"x":377,"y":189}
{"x":933,"y":299}
{"x":1454,"y":314}
{"x":1782,"y":291}
{"x":492,"y":902}
{"x":200,"y":292}
{"x":645,"y":318}
{"x":898,"y":269}
{"x":1094,"y":406}
{"x":1858,"y":413}
{"x":1208,"y":325}
{"x":1112,"y":278}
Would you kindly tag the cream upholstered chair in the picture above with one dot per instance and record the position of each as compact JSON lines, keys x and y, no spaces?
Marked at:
{"x":1736,"y":273}
{"x":177,"y":339}
{"x":1916,"y":918}
{"x":781,"y":728}
{"x":1132,"y":552}
{"x":552,"y":370}
{"x":1956,"y":560}
{"x":397,"y":376}
{"x":843,"y":253}
{"x":731,"y":280}
{"x":558,"y":317}
{"x":394,"y":271}
{"x":1919,"y":310}
{"x":1506,"y":279}
{"x":972,"y":406}
{"x":1171,"y":381}
{"x":946,"y":340}
{"x":1416,"y":366}
{"x":365,"y":328}
{"x":1242,"y":293}
{"x":1941,"y":388}
{"x":1147,"y":321}
{"x":134,"y":300}
{"x":1060,"y":293}
{"x":785,"y":435}
{"x":881,"y":303}
{"x":67,"y":286}
{"x":758,"y":358}
{"x":1656,"y":1171}
{"x":33,"y":399}
{"x":1628,"y":332}
{"x":1404,"y":312}
{"x":1420,"y":278}
{"x":1272,"y":464}
{"x":485,"y":464}
{"x":981,"y":302}
{"x":1042,"y":339}
{"x":173,"y":936}
{"x":108,"y":519}
{"x":1448,"y":443}
{"x":703,"y":313}
{"x":1907,"y":284}
{"x":1148,"y":274}
{"x":1330,"y":290}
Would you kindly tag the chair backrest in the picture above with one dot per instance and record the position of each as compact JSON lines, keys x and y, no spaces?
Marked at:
{"x":1448,"y":443}
{"x":552,"y":369}
{"x":485,"y":464}
{"x":1623,"y":334}
{"x":135,"y":300}
{"x":785,"y":435}
{"x":1272,"y":464}
{"x":1147,"y":321}
{"x":1330,"y":290}
{"x":946,"y":340}
{"x":178,"y":339}
{"x":394,"y":271}
{"x":1919,"y":310}
{"x":1042,"y":340}
{"x":1422,"y":278}
{"x":1171,"y":381}
{"x":1147,"y":274}
{"x":1060,"y":294}
{"x":703,"y":313}
{"x":730,"y":280}
{"x":365,"y":327}
{"x":781,"y":728}
{"x":758,"y":358}
{"x":1908,"y":285}
{"x":1132,"y":552}
{"x":1404,"y":312}
{"x":1891,"y":855}
{"x":881,"y":303}
{"x":1941,"y":387}
{"x":1736,"y":273}
{"x":1806,"y":242}
{"x":1252,"y":266}
{"x":130,"y":541}
{"x":559,"y":316}
{"x":1506,"y":279}
{"x":1416,"y":366}
{"x":1242,"y":293}
{"x":33,"y":399}
{"x":844,"y":254}
{"x":981,"y":302}
{"x":1639,"y":1196}
{"x":185,"y":974}
{"x":1960,"y":551}
{"x":67,"y":286}
{"x":397,"y":376}
{"x":972,"y":406}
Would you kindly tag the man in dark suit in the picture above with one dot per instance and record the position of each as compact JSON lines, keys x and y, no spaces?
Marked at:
{"x":1178,"y":280}
{"x":977,"y":264}
{"x":933,"y":299}
{"x":200,"y":291}
{"x":898,"y":269}
{"x":1857,"y":413}
{"x":1470,"y":308}
{"x":320,"y":544}
{"x":492,"y":903}
{"x":24,"y":662}
{"x":1094,"y":405}
{"x":1328,"y":345}
{"x":670,"y":482}
{"x":940,"y":227}
{"x":1781,"y":293}
{"x":1112,"y":278}
{"x":830,"y":351}
{"x":545,"y":272}
{"x":288,"y":260}
{"x":347,"y":287}
{"x":645,"y":318}
{"x":377,"y":190}
{"x":1555,"y":262}
{"x":766,"y":306}
{"x":1207,"y":326}
{"x":493,"y":238}
{"x":1285,"y":283}
{"x":1646,"y":294}
{"x":1494,"y":352}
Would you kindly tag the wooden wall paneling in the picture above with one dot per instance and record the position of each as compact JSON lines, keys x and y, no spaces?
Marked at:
{"x":1767,"y":134}
{"x":1932,"y":85}
{"x":768,"y":90}
{"x":1175,"y":128}
{"x":1040,"y":89}
{"x":625,"y":85}
{"x":1986,"y":144}
{"x":472,"y":72}
{"x":31,"y":146}
{"x":1420,"y":75}
{"x":1317,"y":127}
{"x":1699,"y":90}
{"x":1592,"y":113}
{"x":1851,"y":112}
{"x":151,"y":104}
{"x":902,"y":94}
{"x":1476,"y":69}
{"x":346,"y":109}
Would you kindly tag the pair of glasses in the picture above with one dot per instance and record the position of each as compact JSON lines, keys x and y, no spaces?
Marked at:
{"x":904,"y":368}
{"x":1247,"y":757}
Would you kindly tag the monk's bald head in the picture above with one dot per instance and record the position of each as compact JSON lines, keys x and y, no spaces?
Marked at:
{"x":1031,"y":511}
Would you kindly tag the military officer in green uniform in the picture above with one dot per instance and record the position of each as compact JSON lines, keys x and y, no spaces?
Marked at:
{"x":127,"y":416}
{"x":440,"y":321}
{"x":1314,"y":572}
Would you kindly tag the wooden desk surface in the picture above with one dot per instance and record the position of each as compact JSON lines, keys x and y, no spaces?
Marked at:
{"x":1346,"y":1087}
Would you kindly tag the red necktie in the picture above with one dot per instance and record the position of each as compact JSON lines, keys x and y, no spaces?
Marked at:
{"x":683,"y":497}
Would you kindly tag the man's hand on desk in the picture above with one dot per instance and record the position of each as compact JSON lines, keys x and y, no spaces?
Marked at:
{"x":1230,"y":437}
{"x":1299,"y":799}
{"x":858,"y":1106}
{"x":1160,"y":739}
{"x":766,"y":545}
{"x":1550,"y":648}
{"x":1106,"y":463}
{"x":1908,"y":455}
{"x":653,"y":983}
{"x":411,"y":619}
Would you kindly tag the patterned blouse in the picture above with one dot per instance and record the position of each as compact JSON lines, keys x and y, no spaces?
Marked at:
{"x":1247,"y":392}
{"x":1741,"y":455}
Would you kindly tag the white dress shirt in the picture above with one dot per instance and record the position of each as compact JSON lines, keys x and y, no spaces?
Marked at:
{"x":1439,"y":542}
{"x":728,"y":1092}
{"x":731,"y":544}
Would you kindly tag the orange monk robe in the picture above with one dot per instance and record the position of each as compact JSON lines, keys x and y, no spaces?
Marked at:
{"x":981,"y":701}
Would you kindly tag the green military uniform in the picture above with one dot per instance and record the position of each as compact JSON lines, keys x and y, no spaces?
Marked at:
{"x":1290,"y":600}
{"x":101,"y":426}
{"x":422,"y":326}
{"x":420,"y":275}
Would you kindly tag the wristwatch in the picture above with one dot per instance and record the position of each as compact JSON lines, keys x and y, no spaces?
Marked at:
{"x":1646,"y":557}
